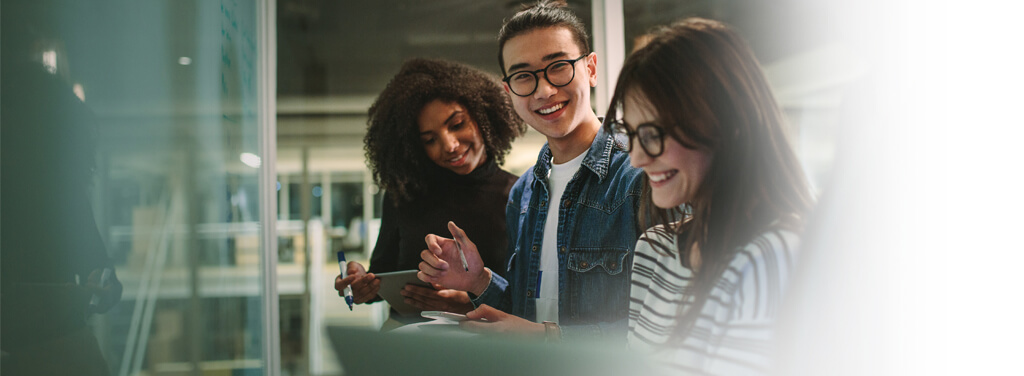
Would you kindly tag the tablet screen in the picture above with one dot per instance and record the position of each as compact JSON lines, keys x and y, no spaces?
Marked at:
{"x":391,"y":285}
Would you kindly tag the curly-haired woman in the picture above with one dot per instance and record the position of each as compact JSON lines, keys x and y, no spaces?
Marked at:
{"x":436,"y":136}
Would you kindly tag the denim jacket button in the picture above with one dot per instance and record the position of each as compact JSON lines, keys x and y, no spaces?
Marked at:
{"x":613,"y":265}
{"x":563,"y":249}
{"x":584,"y":264}
{"x":542,"y":202}
{"x":533,"y":248}
{"x":529,"y":293}
{"x":568,"y":202}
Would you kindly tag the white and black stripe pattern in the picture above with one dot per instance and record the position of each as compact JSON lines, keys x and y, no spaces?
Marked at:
{"x":734,"y":332}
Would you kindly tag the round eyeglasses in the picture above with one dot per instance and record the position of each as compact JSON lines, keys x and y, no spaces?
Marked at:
{"x":651,"y":137}
{"x":559,"y":73}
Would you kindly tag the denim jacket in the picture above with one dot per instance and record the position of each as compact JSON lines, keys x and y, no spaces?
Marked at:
{"x":597,"y":232}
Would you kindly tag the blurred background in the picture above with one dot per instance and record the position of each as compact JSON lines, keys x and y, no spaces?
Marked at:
{"x":227,"y":137}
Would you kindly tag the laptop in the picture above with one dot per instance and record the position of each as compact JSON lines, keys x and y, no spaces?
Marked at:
{"x":363,"y":352}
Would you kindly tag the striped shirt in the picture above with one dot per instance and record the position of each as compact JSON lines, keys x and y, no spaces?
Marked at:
{"x":734,"y":331}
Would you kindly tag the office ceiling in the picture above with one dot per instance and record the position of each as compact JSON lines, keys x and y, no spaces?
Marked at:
{"x":343,"y":48}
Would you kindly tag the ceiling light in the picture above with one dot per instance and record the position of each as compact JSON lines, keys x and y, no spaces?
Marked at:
{"x":250,"y":160}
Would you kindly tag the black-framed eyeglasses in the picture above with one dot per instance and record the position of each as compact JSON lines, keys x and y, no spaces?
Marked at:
{"x":652,"y":138}
{"x":559,"y":73}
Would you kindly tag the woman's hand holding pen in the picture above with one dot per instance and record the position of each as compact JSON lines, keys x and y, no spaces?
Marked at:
{"x":442,"y":263}
{"x":364,"y":285}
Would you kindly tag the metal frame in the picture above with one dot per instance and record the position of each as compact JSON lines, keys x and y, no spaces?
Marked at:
{"x":610,"y":46}
{"x":266,"y":66}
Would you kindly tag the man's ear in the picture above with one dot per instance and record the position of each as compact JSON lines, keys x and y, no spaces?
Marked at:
{"x":592,"y":68}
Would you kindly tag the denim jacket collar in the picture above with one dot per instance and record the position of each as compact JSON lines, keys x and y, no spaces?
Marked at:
{"x":598,"y":157}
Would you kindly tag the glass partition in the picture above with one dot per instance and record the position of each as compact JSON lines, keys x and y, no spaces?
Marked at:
{"x":131,"y":225}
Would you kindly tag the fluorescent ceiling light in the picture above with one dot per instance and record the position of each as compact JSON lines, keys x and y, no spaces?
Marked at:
{"x":250,"y":160}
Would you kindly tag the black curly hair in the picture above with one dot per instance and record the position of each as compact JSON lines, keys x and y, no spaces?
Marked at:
{"x":392,"y":143}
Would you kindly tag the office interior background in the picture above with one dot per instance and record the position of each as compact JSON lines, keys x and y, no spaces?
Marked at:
{"x":227,"y":139}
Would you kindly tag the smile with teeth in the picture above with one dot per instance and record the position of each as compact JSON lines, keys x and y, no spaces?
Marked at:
{"x":546,"y":111}
{"x":457,"y":157}
{"x":661,"y":176}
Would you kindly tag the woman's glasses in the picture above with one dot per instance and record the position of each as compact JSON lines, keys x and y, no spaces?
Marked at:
{"x":651,"y":137}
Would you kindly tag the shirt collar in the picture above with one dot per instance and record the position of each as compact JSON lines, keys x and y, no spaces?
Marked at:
{"x":598,"y":157}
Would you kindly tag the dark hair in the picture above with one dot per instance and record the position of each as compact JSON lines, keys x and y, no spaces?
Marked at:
{"x":709,"y":92}
{"x":544,"y":13}
{"x":399,"y":167}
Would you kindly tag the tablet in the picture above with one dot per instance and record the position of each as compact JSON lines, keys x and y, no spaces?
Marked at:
{"x":391,"y":285}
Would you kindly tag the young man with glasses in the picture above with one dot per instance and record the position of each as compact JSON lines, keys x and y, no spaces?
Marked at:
{"x":572,"y":217}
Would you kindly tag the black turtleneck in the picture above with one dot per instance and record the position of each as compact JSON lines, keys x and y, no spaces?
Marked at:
{"x":475,"y":202}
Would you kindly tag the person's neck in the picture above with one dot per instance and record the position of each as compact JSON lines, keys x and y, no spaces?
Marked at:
{"x":566,"y":148}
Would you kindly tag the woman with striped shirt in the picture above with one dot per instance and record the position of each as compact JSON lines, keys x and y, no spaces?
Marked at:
{"x":726,"y":196}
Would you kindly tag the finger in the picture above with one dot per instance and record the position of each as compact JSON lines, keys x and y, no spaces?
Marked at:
{"x":423,"y":302}
{"x":432,"y":260}
{"x":476,"y":326}
{"x":420,"y":293}
{"x":342,"y":283}
{"x":361,"y":286}
{"x":437,"y":286}
{"x":434,"y":244}
{"x":367,"y":291}
{"x":355,"y":268}
{"x":426,"y":277}
{"x":432,"y":271}
{"x":454,"y":295}
{"x":457,"y":232}
{"x":485,"y":312}
{"x":477,"y":313}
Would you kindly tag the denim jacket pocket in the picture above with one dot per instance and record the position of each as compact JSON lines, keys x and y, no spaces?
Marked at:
{"x":598,"y":286}
{"x":609,"y":260}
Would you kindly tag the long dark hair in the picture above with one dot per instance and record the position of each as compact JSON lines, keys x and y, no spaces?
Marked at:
{"x":709,"y":92}
{"x":392,"y":143}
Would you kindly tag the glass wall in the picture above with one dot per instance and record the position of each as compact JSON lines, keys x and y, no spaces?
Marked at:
{"x":131,"y":202}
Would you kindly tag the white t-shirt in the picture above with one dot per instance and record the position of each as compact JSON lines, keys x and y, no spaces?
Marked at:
{"x":547,"y":297}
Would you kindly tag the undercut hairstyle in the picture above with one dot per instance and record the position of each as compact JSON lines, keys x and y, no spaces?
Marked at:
{"x":392,"y":144}
{"x":709,"y":92}
{"x":543,"y":14}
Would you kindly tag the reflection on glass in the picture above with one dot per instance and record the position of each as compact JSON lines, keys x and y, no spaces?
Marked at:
{"x":130,"y":221}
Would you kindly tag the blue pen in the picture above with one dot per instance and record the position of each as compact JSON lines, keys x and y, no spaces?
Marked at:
{"x":348,"y":289}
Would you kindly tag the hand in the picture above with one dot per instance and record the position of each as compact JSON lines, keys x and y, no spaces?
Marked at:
{"x":442,"y":264}
{"x":364,"y":285}
{"x":109,"y":293}
{"x":499,"y":322}
{"x":437,"y":299}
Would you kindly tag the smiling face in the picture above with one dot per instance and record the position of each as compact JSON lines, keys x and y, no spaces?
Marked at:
{"x":450,"y":137}
{"x":555,"y":112}
{"x":678,"y":172}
